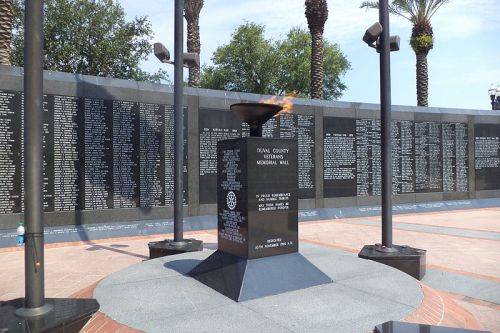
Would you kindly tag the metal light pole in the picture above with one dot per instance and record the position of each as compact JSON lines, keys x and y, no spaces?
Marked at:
{"x":34,"y":303}
{"x":407,"y":259}
{"x":178,"y":244}
{"x":386,"y":119}
{"x":178,"y":121}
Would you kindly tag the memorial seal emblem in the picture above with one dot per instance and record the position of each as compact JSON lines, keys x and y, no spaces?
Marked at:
{"x":231,"y":200}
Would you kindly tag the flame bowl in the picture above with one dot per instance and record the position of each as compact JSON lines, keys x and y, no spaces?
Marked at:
{"x":255,"y":113}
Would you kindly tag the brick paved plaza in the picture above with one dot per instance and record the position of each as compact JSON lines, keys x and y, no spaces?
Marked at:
{"x":461,"y":288}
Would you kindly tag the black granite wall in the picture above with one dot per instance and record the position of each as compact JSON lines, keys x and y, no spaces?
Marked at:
{"x":108,"y":150}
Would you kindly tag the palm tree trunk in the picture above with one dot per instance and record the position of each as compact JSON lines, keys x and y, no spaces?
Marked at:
{"x":193,"y":45}
{"x":317,"y":65}
{"x":422,"y":79}
{"x":6,"y":19}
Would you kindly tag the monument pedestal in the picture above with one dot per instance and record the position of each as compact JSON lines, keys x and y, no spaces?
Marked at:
{"x":406,"y":259}
{"x":243,"y":279}
{"x":257,"y":208}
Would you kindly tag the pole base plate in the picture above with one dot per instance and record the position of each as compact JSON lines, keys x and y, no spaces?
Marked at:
{"x":34,"y":312}
{"x":61,"y":315}
{"x":405,"y":258}
{"x":170,"y":247}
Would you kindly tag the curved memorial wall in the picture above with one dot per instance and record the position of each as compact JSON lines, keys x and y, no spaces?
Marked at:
{"x":108,"y":150}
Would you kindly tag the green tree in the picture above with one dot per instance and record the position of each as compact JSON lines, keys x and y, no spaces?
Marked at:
{"x":89,"y":37}
{"x":295,"y":53}
{"x":316,"y":14}
{"x":248,"y":63}
{"x":6,"y":20}
{"x":251,"y":63}
{"x":192,"y":10}
{"x":419,"y":13}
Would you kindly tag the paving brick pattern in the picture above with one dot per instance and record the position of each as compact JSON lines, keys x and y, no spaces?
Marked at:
{"x":73,"y":269}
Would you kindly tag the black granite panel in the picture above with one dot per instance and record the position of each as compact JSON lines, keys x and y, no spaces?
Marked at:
{"x":69,"y":151}
{"x":152,"y":155}
{"x":10,"y":152}
{"x":169,"y":155}
{"x":339,"y":156}
{"x":214,"y":126}
{"x":98,"y":153}
{"x":48,"y":153}
{"x":487,"y":156}
{"x":272,"y":196}
{"x":126,"y":154}
{"x":455,"y":157}
{"x":232,"y":197}
{"x":403,"y":157}
{"x":368,"y":158}
{"x":257,"y":196}
{"x":428,"y":157}
{"x":306,"y":165}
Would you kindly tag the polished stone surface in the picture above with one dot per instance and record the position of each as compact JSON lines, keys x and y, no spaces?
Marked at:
{"x":257,"y":197}
{"x":68,"y":316}
{"x":243,"y":279}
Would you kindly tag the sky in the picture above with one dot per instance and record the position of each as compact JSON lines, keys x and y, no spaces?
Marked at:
{"x":463,"y":64}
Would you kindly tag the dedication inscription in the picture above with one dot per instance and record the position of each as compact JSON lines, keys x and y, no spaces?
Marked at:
{"x":339,"y":156}
{"x":256,"y":199}
{"x":487,"y":156}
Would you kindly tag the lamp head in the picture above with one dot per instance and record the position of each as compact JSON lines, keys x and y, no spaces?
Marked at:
{"x":161,"y":52}
{"x":191,"y":59}
{"x":492,"y":91}
{"x":372,"y":33}
{"x":394,"y":42}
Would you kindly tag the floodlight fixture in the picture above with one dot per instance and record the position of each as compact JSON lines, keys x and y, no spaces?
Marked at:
{"x":394,"y":42}
{"x":162,"y":53}
{"x":372,"y":33}
{"x":190,"y":59}
{"x":494,"y":93}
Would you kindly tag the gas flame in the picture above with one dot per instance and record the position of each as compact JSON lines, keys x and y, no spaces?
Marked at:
{"x":285,"y":102}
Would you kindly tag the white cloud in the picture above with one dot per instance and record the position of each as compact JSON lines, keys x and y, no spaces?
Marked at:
{"x":461,"y":19}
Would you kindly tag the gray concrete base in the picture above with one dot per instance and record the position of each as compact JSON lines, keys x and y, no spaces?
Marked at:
{"x":157,"y":296}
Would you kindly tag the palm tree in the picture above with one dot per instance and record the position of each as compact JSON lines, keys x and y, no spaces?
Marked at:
{"x":419,"y":13}
{"x":192,"y":10}
{"x":316,"y":14}
{"x":6,"y":19}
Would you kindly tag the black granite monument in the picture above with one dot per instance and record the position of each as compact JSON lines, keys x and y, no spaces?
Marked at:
{"x":257,"y":212}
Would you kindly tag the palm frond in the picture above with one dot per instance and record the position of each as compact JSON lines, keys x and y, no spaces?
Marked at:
{"x":369,"y":5}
